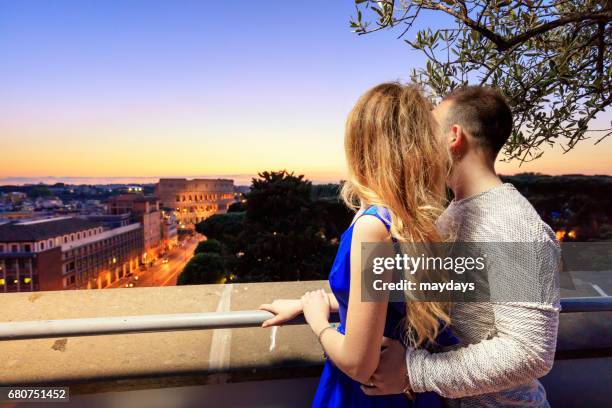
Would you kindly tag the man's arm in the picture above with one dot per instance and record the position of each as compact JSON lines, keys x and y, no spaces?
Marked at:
{"x":521,"y":350}
{"x":520,"y":345}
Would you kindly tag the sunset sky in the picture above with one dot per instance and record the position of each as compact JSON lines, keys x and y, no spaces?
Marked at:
{"x":197,"y":88}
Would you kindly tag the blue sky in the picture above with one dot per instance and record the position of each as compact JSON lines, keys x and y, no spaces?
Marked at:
{"x":184,"y":88}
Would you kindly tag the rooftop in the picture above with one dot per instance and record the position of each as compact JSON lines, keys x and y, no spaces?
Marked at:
{"x":132,"y":197}
{"x":98,"y":237}
{"x":43,"y":229}
{"x":107,"y":217}
{"x":227,"y":360}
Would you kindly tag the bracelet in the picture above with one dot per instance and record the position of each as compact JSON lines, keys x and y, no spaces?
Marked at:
{"x":331,"y":326}
{"x":407,"y":391}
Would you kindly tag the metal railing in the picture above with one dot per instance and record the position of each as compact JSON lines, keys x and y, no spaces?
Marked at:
{"x":196,"y":321}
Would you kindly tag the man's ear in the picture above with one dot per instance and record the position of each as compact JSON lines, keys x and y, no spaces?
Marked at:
{"x":458,"y":141}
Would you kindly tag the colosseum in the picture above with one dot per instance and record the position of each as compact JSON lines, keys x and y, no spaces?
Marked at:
{"x":195,"y":200}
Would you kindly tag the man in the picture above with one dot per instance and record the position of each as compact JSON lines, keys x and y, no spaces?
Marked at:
{"x":504,"y":347}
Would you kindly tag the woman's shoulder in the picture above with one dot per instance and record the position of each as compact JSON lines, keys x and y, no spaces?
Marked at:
{"x":380,"y":212}
{"x":372,"y":225}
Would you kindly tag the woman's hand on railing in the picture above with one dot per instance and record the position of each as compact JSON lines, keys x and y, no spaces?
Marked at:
{"x":283,"y":309}
{"x":316,"y":309}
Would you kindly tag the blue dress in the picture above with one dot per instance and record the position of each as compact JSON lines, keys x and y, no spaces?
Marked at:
{"x":336,"y":389}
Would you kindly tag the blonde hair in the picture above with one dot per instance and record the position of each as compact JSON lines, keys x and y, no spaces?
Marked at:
{"x":396,"y":160}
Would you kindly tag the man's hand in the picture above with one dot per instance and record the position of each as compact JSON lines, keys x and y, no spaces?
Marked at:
{"x":391,"y":375}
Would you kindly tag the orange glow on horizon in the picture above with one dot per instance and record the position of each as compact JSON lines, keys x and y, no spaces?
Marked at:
{"x":228,"y":153}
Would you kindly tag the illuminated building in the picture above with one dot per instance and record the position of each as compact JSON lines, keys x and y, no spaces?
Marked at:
{"x":195,"y":200}
{"x":169,"y":230}
{"x":65,"y":253}
{"x":144,"y":210}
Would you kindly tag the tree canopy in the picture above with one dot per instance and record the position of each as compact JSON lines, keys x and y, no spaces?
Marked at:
{"x":225,"y":228}
{"x":285,"y":233}
{"x":203,"y":268}
{"x":550,"y":58}
{"x":208,"y":246}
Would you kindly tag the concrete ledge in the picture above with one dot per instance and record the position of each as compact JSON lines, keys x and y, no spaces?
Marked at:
{"x":152,"y":360}
{"x":124,"y":362}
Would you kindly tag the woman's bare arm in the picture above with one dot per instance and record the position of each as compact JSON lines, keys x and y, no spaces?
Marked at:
{"x":357,"y":352}
{"x":333,"y":302}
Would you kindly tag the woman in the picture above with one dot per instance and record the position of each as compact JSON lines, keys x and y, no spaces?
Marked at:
{"x":397,"y":168}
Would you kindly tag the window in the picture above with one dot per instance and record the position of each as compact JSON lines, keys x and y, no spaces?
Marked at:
{"x":65,"y":240}
{"x":27,"y":248}
{"x":42,"y":246}
{"x":1,"y":247}
{"x":14,"y":248}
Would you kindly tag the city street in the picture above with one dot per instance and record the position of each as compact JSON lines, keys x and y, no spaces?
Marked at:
{"x":163,"y":274}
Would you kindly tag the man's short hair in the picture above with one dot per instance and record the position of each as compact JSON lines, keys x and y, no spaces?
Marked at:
{"x":484,"y":114}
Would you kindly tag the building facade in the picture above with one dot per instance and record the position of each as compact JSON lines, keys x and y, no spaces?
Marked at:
{"x":65,"y":253}
{"x":195,"y":200}
{"x":169,"y":230}
{"x":144,"y":210}
{"x":99,"y":261}
{"x":110,"y":221}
